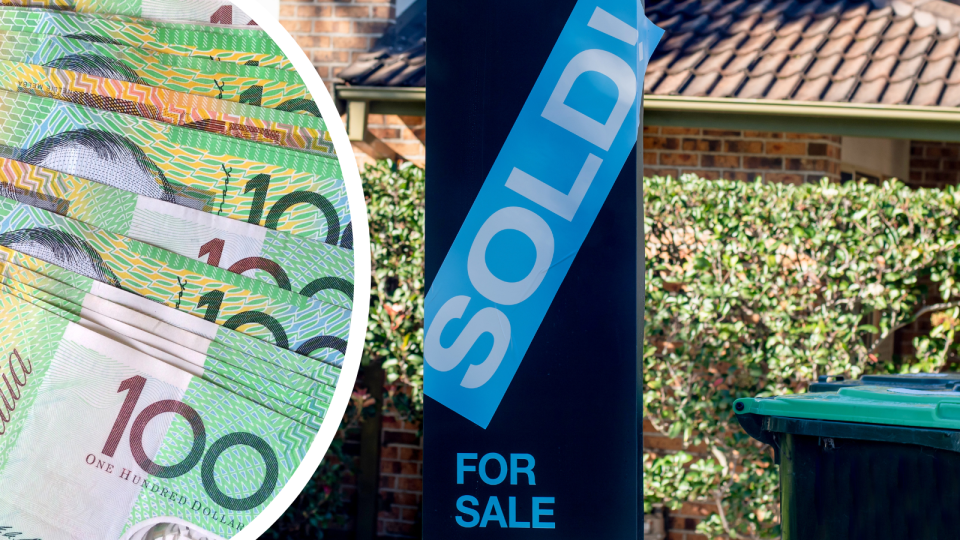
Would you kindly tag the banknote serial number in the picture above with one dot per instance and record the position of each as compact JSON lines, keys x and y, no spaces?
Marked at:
{"x":9,"y":532}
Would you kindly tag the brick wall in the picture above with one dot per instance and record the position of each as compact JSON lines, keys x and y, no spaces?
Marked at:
{"x":741,"y":155}
{"x":934,"y":164}
{"x":333,"y":32}
{"x":680,"y":524}
{"x":401,"y":478}
{"x":395,"y":137}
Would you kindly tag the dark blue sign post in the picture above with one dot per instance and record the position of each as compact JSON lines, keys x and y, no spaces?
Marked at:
{"x":531,"y":339}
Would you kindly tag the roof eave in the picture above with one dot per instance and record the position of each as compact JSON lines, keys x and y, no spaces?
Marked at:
{"x":360,"y":101}
{"x":851,"y":119}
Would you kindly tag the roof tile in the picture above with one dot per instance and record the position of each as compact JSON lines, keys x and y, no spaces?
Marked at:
{"x":830,"y":10}
{"x":820,"y":26}
{"x":727,"y":86}
{"x":937,"y":69}
{"x":879,"y":68}
{"x":927,"y":94}
{"x":729,"y":43}
{"x":884,"y":12}
{"x":951,"y":96}
{"x":755,"y":43}
{"x":702,"y":42}
{"x":901,"y":9}
{"x":861,"y":47}
{"x":650,"y":80}
{"x":743,"y":24}
{"x":809,"y":44}
{"x":756,"y":6}
{"x":847,"y":27}
{"x":859,"y":11}
{"x":768,"y":64}
{"x":688,"y":61}
{"x":756,"y":87}
{"x":694,"y":25}
{"x":700,"y":85}
{"x":714,"y":62}
{"x":675,"y":41}
{"x":897,"y":93}
{"x":707,"y":6}
{"x":811,"y":90}
{"x":945,"y":48}
{"x":729,"y":7}
{"x":890,"y":47}
{"x":833,"y":50}
{"x":779,"y":7}
{"x":917,"y":47}
{"x":795,"y":26}
{"x":873,"y":27}
{"x":767,"y":25}
{"x":796,"y":64}
{"x":840,"y":90}
{"x":663,"y":62}
{"x":851,"y":67}
{"x":908,"y":69}
{"x":671,"y":84}
{"x":671,"y":22}
{"x":823,"y":66}
{"x":954,"y":77}
{"x":869,"y":91}
{"x":900,"y":27}
{"x":924,"y":31}
{"x":784,"y":88}
{"x":719,"y":24}
{"x":799,"y":9}
{"x":740,"y":63}
{"x":835,"y":45}
{"x":782,"y":44}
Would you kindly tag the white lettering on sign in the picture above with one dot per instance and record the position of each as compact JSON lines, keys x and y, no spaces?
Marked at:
{"x":528,"y":222}
{"x":488,"y":320}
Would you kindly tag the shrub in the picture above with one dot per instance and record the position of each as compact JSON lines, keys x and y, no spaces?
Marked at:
{"x":756,"y":289}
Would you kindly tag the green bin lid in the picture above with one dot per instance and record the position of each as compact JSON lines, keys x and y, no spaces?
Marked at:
{"x":866,"y":405}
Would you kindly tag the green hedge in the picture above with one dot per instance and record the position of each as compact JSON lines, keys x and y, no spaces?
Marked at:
{"x":395,"y":210}
{"x":756,"y":289}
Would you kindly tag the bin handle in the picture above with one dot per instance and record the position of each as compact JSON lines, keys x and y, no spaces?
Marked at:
{"x":836,"y":378}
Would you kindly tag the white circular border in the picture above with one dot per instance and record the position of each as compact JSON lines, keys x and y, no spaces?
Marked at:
{"x":361,"y":287}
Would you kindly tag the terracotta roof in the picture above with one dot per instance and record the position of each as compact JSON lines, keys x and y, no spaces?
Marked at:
{"x":399,"y":58}
{"x":891,"y":52}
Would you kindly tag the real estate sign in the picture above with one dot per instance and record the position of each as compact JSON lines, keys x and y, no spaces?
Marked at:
{"x":531,"y":341}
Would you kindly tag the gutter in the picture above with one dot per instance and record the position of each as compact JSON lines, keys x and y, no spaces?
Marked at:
{"x":851,"y":119}
{"x":360,"y":101}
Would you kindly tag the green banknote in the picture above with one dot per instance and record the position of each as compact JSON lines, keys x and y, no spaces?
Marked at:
{"x":202,"y":113}
{"x":204,"y":11}
{"x":259,"y":387}
{"x":313,"y":269}
{"x":100,"y":441}
{"x":237,"y":45}
{"x":119,"y":332}
{"x":253,"y":85}
{"x":263,"y":311}
{"x":306,"y":375}
{"x":296,"y":192}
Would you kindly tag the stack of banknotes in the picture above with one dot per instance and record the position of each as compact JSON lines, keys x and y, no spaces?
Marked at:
{"x":176,"y":269}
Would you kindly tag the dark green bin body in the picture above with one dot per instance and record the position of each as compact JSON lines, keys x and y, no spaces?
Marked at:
{"x":844,"y":480}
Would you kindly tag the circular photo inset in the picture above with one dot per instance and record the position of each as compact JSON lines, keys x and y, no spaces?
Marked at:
{"x":183,"y":269}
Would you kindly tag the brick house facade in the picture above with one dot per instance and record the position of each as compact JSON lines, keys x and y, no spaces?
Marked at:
{"x":336,"y":34}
